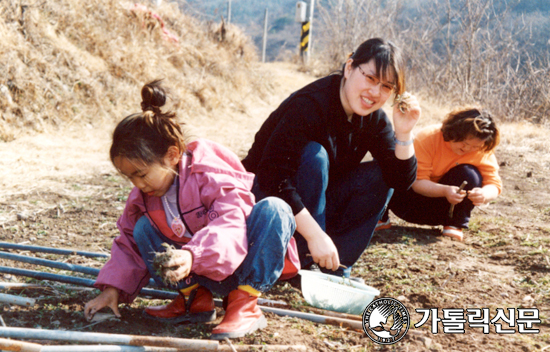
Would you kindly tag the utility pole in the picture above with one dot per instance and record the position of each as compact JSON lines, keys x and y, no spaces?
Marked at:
{"x":305,"y":37}
{"x":228,"y":11}
{"x":265,"y":36}
{"x":311,"y":5}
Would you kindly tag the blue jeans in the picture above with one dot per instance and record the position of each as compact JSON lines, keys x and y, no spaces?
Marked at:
{"x":347,"y":209}
{"x":418,"y":209}
{"x":270,"y":226}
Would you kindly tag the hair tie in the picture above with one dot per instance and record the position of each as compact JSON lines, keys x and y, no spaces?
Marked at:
{"x":150,"y":107}
{"x":482,"y":123}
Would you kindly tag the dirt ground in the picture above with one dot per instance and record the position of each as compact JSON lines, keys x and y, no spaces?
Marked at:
{"x":59,"y":190}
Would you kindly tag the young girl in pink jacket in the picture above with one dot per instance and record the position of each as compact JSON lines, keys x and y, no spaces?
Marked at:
{"x":197,"y":198}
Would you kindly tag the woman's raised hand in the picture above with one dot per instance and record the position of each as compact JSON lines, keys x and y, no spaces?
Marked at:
{"x":406,"y":113}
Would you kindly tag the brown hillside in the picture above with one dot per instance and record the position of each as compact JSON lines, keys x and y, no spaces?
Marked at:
{"x":70,"y":62}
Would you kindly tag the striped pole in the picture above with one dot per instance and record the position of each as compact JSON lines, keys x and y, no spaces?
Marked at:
{"x":304,"y":39}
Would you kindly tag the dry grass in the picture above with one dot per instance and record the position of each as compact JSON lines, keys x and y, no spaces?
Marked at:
{"x":73,"y":69}
{"x":66,"y":62}
{"x":59,"y":160}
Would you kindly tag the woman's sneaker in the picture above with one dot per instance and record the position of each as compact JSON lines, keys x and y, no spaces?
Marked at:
{"x":453,"y":232}
{"x":383,"y":225}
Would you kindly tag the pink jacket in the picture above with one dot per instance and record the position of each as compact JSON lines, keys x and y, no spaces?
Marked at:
{"x":214,"y":199}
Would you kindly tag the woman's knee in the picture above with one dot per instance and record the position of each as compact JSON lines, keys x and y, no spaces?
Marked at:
{"x":312,"y":177}
{"x":314,"y":158}
{"x":270,"y":203}
{"x":464,"y":172}
{"x":274,"y":207}
{"x":273,"y":211}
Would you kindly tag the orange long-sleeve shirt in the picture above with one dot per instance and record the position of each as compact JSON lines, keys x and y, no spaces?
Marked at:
{"x":435,"y":158}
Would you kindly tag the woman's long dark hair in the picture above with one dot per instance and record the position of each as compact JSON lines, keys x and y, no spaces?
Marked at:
{"x":387,"y":58}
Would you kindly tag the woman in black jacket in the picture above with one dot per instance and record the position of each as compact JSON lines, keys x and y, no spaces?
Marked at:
{"x":309,"y":152}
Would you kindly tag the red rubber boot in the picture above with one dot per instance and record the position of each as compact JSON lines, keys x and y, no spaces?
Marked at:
{"x":242,"y":316}
{"x":196,"y":307}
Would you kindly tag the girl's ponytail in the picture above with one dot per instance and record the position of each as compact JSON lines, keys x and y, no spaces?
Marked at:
{"x":153,"y":96}
{"x":147,"y":136}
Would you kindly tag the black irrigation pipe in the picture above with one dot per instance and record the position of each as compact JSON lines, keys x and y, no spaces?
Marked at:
{"x":150,"y":292}
{"x":76,"y":268}
{"x":78,"y":281}
{"x":58,"y":265}
{"x":81,"y":281}
{"x":52,"y":250}
{"x":354,"y":324}
{"x":50,"y":263}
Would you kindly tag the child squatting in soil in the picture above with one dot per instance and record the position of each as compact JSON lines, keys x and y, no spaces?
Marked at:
{"x":460,"y":149}
{"x":196,"y":198}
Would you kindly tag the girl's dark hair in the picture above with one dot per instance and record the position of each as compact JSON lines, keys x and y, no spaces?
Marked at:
{"x":471,"y":122}
{"x":146,"y":136}
{"x":387,"y":58}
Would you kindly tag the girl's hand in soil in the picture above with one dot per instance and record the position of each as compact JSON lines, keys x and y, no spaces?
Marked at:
{"x":107,"y":298}
{"x":179,"y":265}
{"x":452,"y":196}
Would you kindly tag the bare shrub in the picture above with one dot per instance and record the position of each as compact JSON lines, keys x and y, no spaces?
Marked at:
{"x":347,"y":23}
{"x":461,"y":52}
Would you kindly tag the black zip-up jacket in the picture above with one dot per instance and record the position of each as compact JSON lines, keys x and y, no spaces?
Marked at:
{"x":315,"y":113}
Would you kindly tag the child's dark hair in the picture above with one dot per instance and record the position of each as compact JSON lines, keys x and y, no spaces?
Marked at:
{"x":387,"y":58}
{"x":146,"y":136}
{"x":468,"y":122}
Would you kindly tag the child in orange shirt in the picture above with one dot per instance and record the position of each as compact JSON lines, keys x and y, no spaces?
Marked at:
{"x":461,"y":149}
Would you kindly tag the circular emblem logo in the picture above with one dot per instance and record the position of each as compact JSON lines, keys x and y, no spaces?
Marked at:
{"x":386,"y":321}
